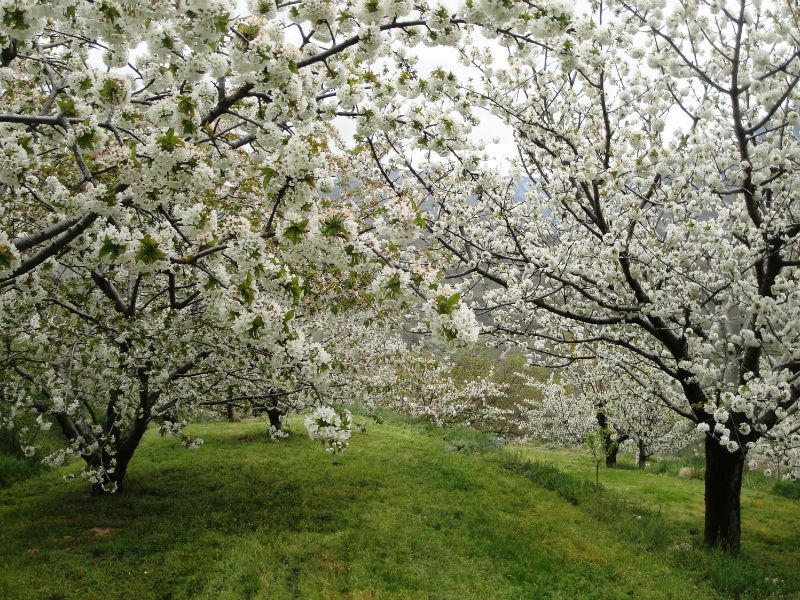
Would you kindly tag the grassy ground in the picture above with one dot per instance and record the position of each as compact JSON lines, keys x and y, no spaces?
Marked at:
{"x":400,"y":515}
{"x":671,"y":511}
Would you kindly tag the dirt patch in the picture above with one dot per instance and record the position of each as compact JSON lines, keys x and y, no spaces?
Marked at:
{"x":100,"y":532}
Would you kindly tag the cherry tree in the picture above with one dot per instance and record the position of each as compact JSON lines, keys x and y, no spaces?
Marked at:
{"x":423,"y":386}
{"x":651,"y":210}
{"x":680,"y":247}
{"x":170,"y":214}
{"x":594,"y":396}
{"x":378,"y":363}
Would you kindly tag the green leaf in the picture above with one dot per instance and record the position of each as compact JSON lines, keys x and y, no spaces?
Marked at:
{"x":295,"y":231}
{"x":112,"y":91}
{"x":189,"y":128}
{"x":110,"y":12}
{"x":257,"y":326}
{"x":445,"y":305}
{"x":269,"y":173}
{"x":169,"y":141}
{"x":221,"y":23}
{"x":66,"y":104}
{"x":25,"y":142}
{"x":6,"y":257}
{"x":248,"y":32}
{"x":186,"y":105}
{"x":356,"y":258}
{"x":132,"y":146}
{"x":334,"y":227}
{"x":393,"y":287}
{"x":86,"y":139}
{"x":562,"y":19}
{"x":295,"y":289}
{"x":247,"y":291}
{"x":149,"y":251}
{"x":109,"y":248}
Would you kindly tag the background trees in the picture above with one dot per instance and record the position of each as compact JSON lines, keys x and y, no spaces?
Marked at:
{"x":593,"y":397}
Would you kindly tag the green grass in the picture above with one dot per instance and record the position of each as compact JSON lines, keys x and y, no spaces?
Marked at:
{"x":406,"y":512}
{"x":13,"y":469}
{"x":770,"y":523}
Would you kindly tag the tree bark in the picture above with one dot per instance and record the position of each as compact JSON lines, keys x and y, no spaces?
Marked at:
{"x":274,"y":415}
{"x":125,"y":449}
{"x":723,"y":487}
{"x":8,"y":54}
{"x":642,"y":458}
{"x":232,"y":414}
{"x":611,"y":446}
{"x":111,"y":482}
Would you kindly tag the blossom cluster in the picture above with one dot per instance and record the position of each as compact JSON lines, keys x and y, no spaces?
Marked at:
{"x":333,"y":428}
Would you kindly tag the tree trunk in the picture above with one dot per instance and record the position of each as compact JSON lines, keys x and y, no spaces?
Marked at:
{"x":642,"y":458}
{"x":274,"y":415}
{"x":124,"y":453}
{"x":111,"y":482}
{"x":232,"y":414}
{"x":723,"y":487}
{"x":109,"y":485}
{"x":611,"y":452}
{"x":611,"y":447}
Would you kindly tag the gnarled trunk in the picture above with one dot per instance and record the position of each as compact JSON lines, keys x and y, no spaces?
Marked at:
{"x":112,"y":482}
{"x":723,"y":488}
{"x":274,"y":415}
{"x":124,"y":451}
{"x":609,"y":444}
{"x":612,"y":448}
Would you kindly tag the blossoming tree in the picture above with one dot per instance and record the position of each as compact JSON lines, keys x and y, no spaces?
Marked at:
{"x":657,"y":148}
{"x":169,"y":213}
{"x":595,"y":396}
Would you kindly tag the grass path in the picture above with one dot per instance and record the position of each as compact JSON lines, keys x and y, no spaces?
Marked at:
{"x":400,"y":515}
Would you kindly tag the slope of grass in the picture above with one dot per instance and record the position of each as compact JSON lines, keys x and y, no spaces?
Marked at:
{"x":770,"y":523}
{"x":14,"y":466}
{"x":13,"y":469}
{"x":400,"y":515}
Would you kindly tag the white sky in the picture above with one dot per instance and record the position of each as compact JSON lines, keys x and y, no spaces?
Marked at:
{"x":495,"y":135}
